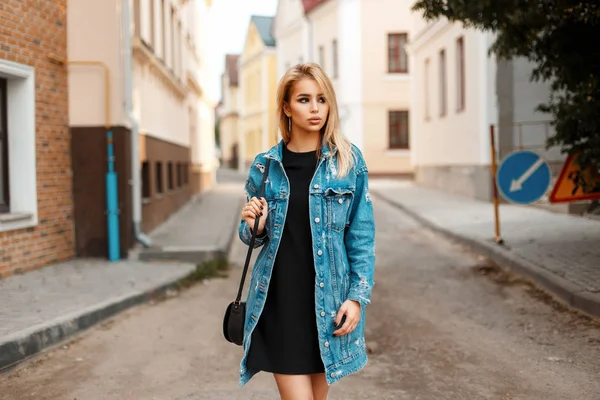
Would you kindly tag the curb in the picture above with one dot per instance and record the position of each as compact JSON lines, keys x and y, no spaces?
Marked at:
{"x":558,"y":287}
{"x":25,"y":344}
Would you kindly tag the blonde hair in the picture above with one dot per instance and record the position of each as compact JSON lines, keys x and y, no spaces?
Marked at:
{"x":331,"y":130}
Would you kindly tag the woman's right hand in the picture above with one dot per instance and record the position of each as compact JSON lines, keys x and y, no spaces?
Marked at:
{"x":256,"y":208}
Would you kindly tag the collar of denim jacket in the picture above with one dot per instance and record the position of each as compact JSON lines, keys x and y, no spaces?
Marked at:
{"x":276,"y":152}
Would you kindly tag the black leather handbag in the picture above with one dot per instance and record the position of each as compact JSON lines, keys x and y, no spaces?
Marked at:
{"x":235,"y":315}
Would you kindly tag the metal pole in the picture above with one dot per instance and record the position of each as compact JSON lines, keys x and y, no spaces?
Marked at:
{"x":497,"y":237}
{"x":136,"y":184}
{"x":112,"y":203}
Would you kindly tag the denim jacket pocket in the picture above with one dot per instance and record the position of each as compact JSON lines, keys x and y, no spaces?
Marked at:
{"x":337,"y":203}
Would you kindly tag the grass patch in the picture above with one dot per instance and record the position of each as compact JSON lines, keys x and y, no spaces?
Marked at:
{"x":213,"y":268}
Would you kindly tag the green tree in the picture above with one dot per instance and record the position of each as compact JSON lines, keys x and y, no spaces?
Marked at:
{"x":561,"y":38}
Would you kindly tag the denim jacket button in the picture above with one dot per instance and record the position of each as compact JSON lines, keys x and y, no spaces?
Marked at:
{"x":326,"y":344}
{"x":320,"y":252}
{"x":316,"y":186}
{"x":321,"y":284}
{"x":317,"y":220}
{"x":340,"y":201}
{"x":322,"y":313}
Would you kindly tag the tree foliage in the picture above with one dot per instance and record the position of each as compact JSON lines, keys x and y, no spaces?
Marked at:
{"x":561,"y":38}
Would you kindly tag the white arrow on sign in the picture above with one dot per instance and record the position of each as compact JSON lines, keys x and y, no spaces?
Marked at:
{"x":517,"y":184}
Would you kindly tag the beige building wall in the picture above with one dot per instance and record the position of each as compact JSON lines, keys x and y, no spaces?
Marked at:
{"x":383,"y":91}
{"x":291,"y":31}
{"x":161,"y":105}
{"x":258,"y":79}
{"x":460,"y":130}
{"x":365,"y":90}
{"x":452,"y":149}
{"x":87,"y":105}
{"x":325,"y":30}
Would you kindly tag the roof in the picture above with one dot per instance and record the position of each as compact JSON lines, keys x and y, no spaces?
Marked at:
{"x":264,"y":26}
{"x":231,"y":68}
{"x":310,"y":4}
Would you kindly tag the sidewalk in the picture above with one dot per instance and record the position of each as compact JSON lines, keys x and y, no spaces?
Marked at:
{"x":558,"y":251}
{"x":202,"y":228}
{"x":43,"y":307}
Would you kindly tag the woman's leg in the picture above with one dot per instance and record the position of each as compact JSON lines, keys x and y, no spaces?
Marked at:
{"x":294,"y":387}
{"x":319,"y":386}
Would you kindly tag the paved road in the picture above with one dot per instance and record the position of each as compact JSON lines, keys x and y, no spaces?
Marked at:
{"x":443,"y":325}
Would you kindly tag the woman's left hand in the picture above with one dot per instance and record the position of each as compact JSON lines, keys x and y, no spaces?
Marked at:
{"x":351,"y":309}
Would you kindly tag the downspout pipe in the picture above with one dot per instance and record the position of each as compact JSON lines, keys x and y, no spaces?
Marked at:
{"x":136,"y":188}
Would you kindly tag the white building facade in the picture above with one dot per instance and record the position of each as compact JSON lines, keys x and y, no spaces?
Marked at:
{"x":459,"y":91}
{"x":361,"y":45}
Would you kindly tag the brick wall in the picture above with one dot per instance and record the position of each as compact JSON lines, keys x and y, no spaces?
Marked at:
{"x":29,"y":31}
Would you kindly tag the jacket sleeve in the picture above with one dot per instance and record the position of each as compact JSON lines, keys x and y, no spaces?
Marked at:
{"x":252,"y":183}
{"x":360,"y":241}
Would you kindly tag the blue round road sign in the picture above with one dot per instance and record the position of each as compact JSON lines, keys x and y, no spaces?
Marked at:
{"x":523,"y":177}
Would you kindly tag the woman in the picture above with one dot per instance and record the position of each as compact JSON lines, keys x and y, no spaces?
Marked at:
{"x":314,"y":275}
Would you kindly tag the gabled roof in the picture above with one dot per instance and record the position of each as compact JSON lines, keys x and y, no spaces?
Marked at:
{"x":310,"y":4}
{"x":231,"y":68}
{"x":264,"y":26}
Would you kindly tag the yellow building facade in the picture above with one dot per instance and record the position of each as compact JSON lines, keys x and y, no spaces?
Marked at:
{"x":258,"y":129}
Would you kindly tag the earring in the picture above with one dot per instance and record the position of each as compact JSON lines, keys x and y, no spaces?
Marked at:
{"x":290,"y":124}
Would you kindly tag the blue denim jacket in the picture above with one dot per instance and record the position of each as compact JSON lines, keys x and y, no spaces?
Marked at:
{"x":343,"y":236}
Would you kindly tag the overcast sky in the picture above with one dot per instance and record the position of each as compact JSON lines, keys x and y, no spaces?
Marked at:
{"x":227,"y":27}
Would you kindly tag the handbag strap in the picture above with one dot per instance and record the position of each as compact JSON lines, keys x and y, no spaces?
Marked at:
{"x":253,"y":239}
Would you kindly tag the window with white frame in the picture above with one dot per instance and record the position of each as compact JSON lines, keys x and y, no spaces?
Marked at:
{"x":18,"y":186}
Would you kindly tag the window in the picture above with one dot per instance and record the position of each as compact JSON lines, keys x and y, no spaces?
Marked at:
{"x":398,"y":129}
{"x":146,"y":180}
{"x":322,"y":57}
{"x":179,"y":177}
{"x":4,"y":194}
{"x":334,"y":50}
{"x":397,"y":57}
{"x":426,"y":90}
{"x":159,"y":178}
{"x":152,"y":26}
{"x":18,"y":178}
{"x":170,"y":176}
{"x":460,"y":74}
{"x":186,"y":172}
{"x":443,"y":92}
{"x":137,"y":20}
{"x":173,"y":35}
{"x":163,"y":30}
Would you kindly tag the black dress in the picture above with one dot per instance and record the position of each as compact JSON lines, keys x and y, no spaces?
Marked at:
{"x":285,"y":339}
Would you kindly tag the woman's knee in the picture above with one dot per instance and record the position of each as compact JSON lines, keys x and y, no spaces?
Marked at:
{"x":294,"y":387}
